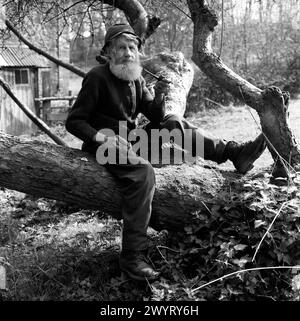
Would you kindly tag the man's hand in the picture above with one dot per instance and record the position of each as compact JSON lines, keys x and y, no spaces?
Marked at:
{"x":111,"y":141}
{"x":100,"y":138}
{"x":162,"y":87}
{"x":124,"y":148}
{"x":118,"y":142}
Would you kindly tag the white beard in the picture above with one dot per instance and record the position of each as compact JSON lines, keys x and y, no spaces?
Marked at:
{"x":129,"y":71}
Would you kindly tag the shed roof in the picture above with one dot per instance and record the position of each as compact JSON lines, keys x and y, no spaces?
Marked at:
{"x":21,"y":57}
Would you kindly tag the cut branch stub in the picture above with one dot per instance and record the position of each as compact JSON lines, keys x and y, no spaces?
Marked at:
{"x":143,"y":25}
{"x":208,"y":18}
{"x":176,"y":69}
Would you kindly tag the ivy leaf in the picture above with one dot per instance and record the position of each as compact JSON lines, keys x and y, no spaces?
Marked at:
{"x":265,"y":195}
{"x":258,"y":223}
{"x":241,"y":262}
{"x":290,"y":189}
{"x":296,"y":214}
{"x":248,"y":195}
{"x":240,"y":247}
{"x":256,"y":206}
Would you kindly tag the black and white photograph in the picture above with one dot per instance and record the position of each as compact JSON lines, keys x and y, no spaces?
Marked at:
{"x":149,"y":155}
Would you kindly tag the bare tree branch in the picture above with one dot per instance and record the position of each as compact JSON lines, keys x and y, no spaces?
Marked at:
{"x":65,"y":10}
{"x":59,"y":62}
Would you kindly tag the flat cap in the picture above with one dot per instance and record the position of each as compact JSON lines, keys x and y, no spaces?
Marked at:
{"x":115,"y":31}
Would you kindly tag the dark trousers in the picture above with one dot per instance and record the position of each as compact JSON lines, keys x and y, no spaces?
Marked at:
{"x":138,"y":183}
{"x":137,"y":186}
{"x":211,"y":148}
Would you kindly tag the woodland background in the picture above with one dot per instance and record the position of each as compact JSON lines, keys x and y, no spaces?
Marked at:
{"x":257,"y":39}
{"x":53,"y":251}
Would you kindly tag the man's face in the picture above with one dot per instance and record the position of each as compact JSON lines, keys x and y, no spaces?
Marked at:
{"x":124,"y":51}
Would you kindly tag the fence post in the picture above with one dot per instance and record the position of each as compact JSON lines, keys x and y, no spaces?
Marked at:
{"x":46,"y":110}
{"x":70,"y":100}
{"x":46,"y":92}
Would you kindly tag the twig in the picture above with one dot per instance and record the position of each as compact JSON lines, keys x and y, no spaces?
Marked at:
{"x":242,"y":271}
{"x":179,"y":9}
{"x":162,"y":255}
{"x":214,"y":102}
{"x":168,"y":248}
{"x":277,"y":214}
{"x":63,"y":11}
{"x":150,"y":286}
{"x":51,"y":277}
{"x":222,"y":30}
{"x":206,"y":207}
{"x":81,"y":24}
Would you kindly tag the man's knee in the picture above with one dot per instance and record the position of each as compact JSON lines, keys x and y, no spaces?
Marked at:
{"x":172,"y":122}
{"x":147,"y":175}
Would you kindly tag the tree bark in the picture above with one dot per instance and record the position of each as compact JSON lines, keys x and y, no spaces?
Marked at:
{"x":175,"y":69}
{"x":62,"y":173}
{"x":271,"y":104}
{"x":143,"y":25}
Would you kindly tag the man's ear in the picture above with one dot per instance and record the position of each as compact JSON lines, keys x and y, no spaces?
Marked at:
{"x":102,"y":59}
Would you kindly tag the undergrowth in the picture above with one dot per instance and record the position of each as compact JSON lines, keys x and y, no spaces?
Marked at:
{"x":52,"y":251}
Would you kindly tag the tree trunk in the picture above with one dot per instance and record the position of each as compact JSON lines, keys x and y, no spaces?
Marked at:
{"x":271,"y":104}
{"x":72,"y":176}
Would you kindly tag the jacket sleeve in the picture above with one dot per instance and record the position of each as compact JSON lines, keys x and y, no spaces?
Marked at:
{"x":77,"y":122}
{"x":151,"y":107}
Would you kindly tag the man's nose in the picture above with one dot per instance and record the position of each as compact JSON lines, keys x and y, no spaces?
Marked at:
{"x":128,"y":53}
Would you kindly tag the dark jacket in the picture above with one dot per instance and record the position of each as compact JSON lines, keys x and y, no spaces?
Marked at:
{"x":104,"y":100}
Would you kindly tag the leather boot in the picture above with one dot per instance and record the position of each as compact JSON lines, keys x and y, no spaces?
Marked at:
{"x":245,"y":154}
{"x":134,"y":264}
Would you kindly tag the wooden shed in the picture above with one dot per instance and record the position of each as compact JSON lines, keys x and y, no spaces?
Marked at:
{"x":21,"y":68}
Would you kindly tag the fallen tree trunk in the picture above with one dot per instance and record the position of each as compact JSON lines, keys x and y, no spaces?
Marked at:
{"x":62,"y":173}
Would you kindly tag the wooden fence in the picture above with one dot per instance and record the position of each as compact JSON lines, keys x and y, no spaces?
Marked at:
{"x":52,"y":109}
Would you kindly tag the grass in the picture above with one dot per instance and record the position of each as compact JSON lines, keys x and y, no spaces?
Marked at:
{"x":53,"y":251}
{"x":241,"y":124}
